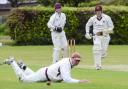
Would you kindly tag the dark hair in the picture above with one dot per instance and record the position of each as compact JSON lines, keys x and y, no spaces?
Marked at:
{"x":98,"y":8}
{"x":57,"y":6}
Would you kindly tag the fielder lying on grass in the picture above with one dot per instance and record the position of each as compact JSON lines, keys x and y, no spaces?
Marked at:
{"x":57,"y":72}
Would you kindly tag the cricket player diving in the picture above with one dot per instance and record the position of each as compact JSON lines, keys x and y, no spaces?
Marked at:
{"x":57,"y":72}
{"x":56,"y":24}
{"x":102,"y":27}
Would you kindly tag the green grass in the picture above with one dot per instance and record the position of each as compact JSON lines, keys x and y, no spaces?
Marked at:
{"x":38,"y":56}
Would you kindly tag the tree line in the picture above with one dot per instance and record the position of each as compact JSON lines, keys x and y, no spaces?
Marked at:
{"x":70,"y":3}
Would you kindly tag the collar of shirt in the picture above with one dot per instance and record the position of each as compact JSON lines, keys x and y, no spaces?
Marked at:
{"x":99,"y":18}
{"x":59,"y":14}
{"x":70,"y":62}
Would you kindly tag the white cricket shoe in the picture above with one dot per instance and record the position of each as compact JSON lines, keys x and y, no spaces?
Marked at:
{"x":98,"y":67}
{"x":9,"y":60}
{"x":21,"y":64}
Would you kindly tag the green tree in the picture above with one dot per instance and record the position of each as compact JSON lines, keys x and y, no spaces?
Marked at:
{"x":46,"y":2}
{"x":73,"y":3}
{"x":115,"y":2}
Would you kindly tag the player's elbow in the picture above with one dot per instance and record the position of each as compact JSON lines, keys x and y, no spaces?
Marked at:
{"x":110,"y":30}
{"x":48,"y":25}
{"x":65,"y":80}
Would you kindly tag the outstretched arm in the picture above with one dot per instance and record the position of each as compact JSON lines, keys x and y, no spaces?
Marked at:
{"x":66,"y":76}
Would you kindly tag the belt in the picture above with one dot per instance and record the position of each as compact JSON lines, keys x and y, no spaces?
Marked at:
{"x":46,"y":74}
{"x":99,"y":34}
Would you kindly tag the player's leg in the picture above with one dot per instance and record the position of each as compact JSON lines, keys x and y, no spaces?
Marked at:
{"x":36,"y":77}
{"x":105,"y":43}
{"x":18,"y":71}
{"x":97,"y":52}
{"x":56,"y":49}
{"x":56,"y":52}
{"x":64,"y":45}
{"x":25,"y":68}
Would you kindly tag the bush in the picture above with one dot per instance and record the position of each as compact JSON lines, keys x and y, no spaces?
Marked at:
{"x":3,"y":29}
{"x":28,"y":25}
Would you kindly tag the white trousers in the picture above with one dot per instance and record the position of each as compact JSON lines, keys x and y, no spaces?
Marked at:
{"x":105,"y":43}
{"x":60,"y":43}
{"x":100,"y":45}
{"x":28,"y":75}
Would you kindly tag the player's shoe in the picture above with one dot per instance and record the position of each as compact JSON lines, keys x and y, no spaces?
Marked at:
{"x":21,"y":65}
{"x":98,"y":67}
{"x":9,"y":60}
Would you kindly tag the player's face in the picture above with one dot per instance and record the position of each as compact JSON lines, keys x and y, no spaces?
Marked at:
{"x":75,"y":61}
{"x":98,"y":13}
{"x":58,"y":10}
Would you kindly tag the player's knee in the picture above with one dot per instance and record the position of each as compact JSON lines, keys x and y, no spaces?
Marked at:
{"x":56,"y":48}
{"x":96,"y":49}
{"x":65,"y":48}
{"x":26,"y":80}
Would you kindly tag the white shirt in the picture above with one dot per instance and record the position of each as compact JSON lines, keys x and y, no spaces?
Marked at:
{"x":63,"y":67}
{"x":99,"y":25}
{"x":57,"y":20}
{"x":4,"y":1}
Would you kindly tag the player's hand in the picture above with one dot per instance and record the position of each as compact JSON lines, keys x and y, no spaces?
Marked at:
{"x":58,"y":29}
{"x":83,"y":81}
{"x":88,"y":36}
{"x":52,"y":28}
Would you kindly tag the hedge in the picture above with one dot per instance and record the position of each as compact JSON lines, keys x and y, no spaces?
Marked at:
{"x":28,"y":25}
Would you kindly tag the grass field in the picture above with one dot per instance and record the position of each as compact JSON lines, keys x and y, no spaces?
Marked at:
{"x":114,"y":74}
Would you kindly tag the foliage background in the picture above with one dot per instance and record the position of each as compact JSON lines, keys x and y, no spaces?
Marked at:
{"x":28,"y":25}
